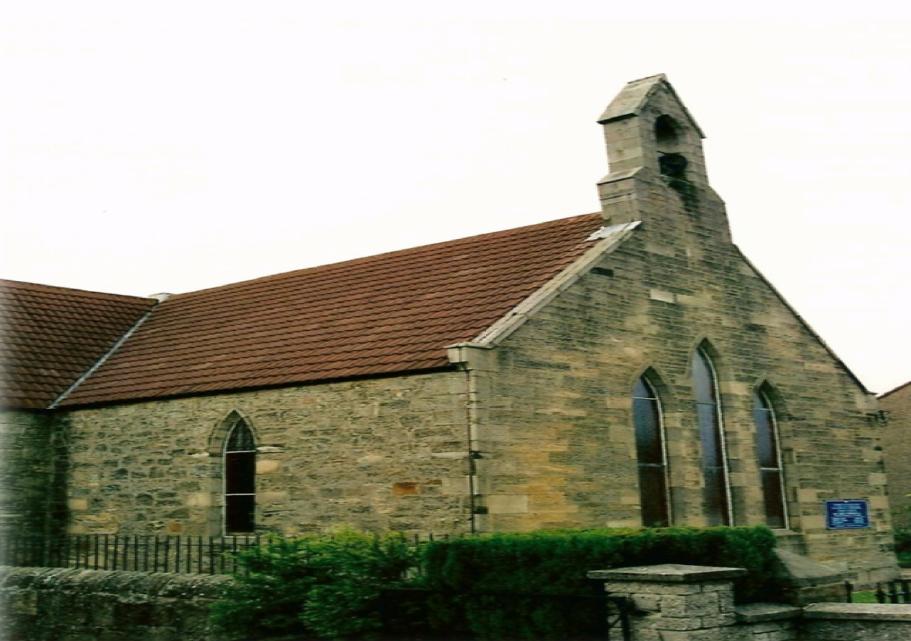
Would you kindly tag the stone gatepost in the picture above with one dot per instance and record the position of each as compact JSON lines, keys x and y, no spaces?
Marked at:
{"x":676,"y":602}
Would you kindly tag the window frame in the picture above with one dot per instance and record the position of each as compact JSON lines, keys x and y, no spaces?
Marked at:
{"x":651,"y":388}
{"x":764,"y":397}
{"x":702,"y":352}
{"x":238,"y":422}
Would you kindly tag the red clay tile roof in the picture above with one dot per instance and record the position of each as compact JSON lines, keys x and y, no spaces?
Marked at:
{"x":50,"y":336}
{"x":390,"y":313}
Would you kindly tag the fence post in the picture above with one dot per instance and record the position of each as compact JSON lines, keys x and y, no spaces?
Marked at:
{"x":675,"y":602}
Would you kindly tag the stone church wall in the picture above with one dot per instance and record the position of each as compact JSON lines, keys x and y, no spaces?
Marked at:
{"x":556,"y":432}
{"x":386,"y":453}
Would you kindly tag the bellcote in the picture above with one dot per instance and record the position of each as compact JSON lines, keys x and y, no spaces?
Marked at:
{"x":652,"y":139}
{"x":647,"y":125}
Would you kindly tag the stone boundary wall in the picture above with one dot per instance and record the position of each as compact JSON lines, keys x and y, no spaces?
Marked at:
{"x":60,"y":604}
{"x":676,"y":602}
{"x":673,"y":603}
{"x":860,"y":621}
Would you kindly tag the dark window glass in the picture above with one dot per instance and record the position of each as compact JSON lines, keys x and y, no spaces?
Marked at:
{"x":769,"y":461}
{"x":240,"y":470}
{"x":648,"y":431}
{"x":240,"y":479}
{"x":239,"y":513}
{"x":703,"y":381}
{"x":240,"y":439}
{"x":714,"y":496}
{"x":708,"y":416}
{"x":650,"y":454}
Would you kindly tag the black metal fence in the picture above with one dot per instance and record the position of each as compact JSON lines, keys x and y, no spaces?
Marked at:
{"x":898,"y":591}
{"x":146,"y":553}
{"x":894,"y":592}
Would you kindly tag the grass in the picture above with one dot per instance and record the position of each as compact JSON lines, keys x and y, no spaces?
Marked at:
{"x":864,"y":596}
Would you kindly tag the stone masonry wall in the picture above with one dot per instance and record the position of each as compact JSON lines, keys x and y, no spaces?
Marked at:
{"x":856,"y":622}
{"x":897,"y":452}
{"x":556,"y":429}
{"x":32,"y":463}
{"x":554,"y":423}
{"x":674,"y":602}
{"x":388,"y":453}
{"x":84,"y":605}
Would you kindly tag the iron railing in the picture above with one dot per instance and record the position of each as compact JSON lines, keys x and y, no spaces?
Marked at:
{"x":897,"y":591}
{"x":146,"y":553}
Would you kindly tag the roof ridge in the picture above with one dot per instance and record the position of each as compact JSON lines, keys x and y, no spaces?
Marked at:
{"x":359,"y":259}
{"x":22,"y":284}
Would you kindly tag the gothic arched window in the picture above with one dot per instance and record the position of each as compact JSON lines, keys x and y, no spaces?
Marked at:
{"x":651,"y":455}
{"x":240,"y":478}
{"x":769,"y":455}
{"x":716,"y":493}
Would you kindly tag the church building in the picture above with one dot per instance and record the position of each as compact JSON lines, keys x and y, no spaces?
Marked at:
{"x":624,"y":368}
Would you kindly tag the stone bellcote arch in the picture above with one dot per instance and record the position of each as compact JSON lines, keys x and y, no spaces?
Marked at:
{"x":657,"y":163}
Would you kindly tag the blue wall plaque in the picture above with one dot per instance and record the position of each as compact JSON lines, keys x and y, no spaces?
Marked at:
{"x":847,"y":514}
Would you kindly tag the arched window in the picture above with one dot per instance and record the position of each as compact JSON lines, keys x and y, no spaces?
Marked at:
{"x":240,"y":478}
{"x":716,"y":493}
{"x":651,"y":455}
{"x":769,"y":455}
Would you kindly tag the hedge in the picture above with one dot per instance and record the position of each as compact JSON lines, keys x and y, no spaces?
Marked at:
{"x":338,"y":586}
{"x":557,"y":561}
{"x":903,"y":546}
{"x":320,"y":587}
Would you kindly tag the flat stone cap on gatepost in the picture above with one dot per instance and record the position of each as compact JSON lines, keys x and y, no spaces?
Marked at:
{"x":668,"y":573}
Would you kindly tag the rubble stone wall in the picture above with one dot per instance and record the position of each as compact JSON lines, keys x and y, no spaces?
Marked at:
{"x":379,"y":454}
{"x":41,"y":604}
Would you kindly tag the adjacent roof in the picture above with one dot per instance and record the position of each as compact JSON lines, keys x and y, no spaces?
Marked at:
{"x":385,"y":314}
{"x":894,"y":390}
{"x":50,"y":336}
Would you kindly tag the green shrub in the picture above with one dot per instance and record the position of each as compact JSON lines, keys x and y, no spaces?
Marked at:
{"x":319,"y":586}
{"x":903,"y":546}
{"x":330,"y":587}
{"x":557,"y":561}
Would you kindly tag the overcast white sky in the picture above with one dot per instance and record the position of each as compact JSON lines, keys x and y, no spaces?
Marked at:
{"x":171,"y":146}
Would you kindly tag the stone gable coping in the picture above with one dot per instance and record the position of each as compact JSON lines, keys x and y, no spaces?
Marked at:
{"x":803,"y":570}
